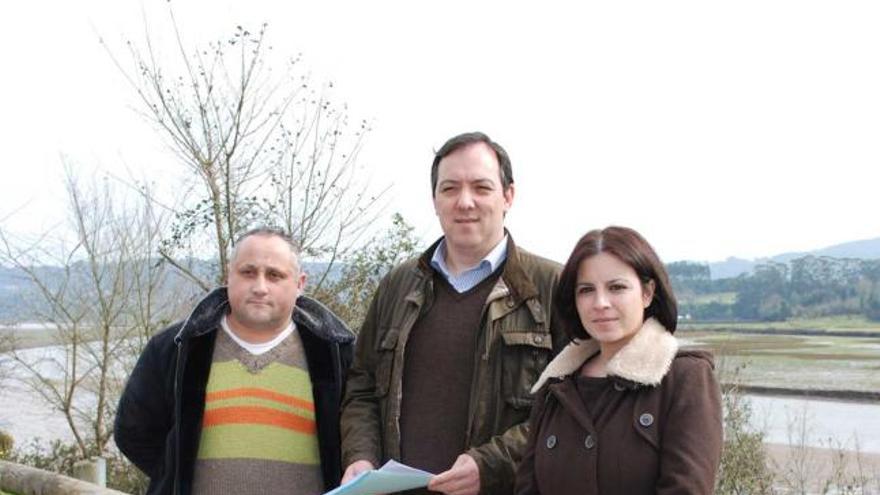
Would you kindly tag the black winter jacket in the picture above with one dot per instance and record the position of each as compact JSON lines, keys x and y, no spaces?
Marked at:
{"x":158,"y":422}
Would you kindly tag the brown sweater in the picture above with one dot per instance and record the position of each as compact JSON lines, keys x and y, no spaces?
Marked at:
{"x":259,"y":435}
{"x":438,"y":372}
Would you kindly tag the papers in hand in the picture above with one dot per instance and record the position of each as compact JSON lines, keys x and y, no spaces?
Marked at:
{"x":390,"y":478}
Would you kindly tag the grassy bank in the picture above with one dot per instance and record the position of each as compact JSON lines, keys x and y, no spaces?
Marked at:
{"x":831,"y":324}
{"x":26,"y":339}
{"x":11,"y":337}
{"x":799,"y":362}
{"x":784,"y":355}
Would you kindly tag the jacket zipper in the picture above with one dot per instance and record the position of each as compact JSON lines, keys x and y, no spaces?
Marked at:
{"x":177,"y":419}
{"x":337,"y":358}
{"x":481,"y":359}
{"x":402,"y":337}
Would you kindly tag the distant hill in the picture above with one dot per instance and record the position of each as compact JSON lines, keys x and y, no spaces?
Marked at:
{"x":868,"y":249}
{"x":731,"y":267}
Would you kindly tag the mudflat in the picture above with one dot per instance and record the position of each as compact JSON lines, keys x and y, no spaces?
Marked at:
{"x":821,"y":465}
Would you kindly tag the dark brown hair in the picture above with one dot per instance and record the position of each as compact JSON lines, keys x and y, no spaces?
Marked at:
{"x":631,"y":248}
{"x":457,"y":142}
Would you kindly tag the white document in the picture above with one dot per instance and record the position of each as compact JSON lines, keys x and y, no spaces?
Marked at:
{"x":390,"y":478}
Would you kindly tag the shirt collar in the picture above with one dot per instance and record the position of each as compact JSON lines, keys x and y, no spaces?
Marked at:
{"x":261,"y":348}
{"x":494,"y":258}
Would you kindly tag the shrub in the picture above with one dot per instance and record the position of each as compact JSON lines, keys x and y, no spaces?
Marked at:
{"x":60,"y":457}
{"x":6,"y":444}
{"x":744,"y":459}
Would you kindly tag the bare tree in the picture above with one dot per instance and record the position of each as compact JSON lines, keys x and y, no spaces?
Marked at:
{"x":349,"y":294}
{"x":263,"y":147}
{"x":99,"y":299}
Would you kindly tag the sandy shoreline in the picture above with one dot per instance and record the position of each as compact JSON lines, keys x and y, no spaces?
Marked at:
{"x":822,"y":464}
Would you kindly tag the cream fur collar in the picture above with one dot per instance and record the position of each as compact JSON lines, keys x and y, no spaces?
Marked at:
{"x":645,"y":359}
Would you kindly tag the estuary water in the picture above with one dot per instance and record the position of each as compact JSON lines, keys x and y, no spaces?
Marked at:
{"x":784,"y":420}
{"x":818,"y":422}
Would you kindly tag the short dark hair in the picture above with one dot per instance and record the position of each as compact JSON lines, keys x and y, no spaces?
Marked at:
{"x":266,"y":231}
{"x":457,"y":142}
{"x":630,"y":247}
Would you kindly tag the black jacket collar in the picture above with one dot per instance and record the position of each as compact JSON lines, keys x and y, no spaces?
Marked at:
{"x":308,"y":313}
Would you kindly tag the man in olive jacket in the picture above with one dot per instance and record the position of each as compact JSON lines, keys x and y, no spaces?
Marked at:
{"x":454,"y":339}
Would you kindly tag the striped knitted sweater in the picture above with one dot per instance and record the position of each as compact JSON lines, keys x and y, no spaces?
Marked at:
{"x":258,"y":431}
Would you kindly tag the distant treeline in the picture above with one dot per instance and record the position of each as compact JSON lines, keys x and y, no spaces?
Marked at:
{"x":806,"y":287}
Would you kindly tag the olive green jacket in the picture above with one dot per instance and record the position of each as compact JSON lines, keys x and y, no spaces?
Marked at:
{"x":514,"y":343}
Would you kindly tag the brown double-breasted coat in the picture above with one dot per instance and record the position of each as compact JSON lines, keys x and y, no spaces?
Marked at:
{"x":659,"y":429}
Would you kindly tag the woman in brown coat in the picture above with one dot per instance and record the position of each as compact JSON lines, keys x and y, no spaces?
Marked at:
{"x":621,"y":410}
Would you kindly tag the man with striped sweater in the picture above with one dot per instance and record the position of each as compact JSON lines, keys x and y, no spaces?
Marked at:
{"x":243,"y":396}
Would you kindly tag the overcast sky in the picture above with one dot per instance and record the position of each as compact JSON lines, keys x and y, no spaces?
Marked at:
{"x":717,"y":129}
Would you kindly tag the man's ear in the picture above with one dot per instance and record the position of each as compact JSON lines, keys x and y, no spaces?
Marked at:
{"x":302,"y":281}
{"x":509,"y":193}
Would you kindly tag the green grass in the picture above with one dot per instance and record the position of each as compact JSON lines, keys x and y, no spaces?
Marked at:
{"x":829,"y":323}
{"x":26,"y":339}
{"x":794,"y":361}
{"x":717,"y":297}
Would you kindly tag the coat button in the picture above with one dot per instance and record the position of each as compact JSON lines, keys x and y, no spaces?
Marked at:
{"x":510,"y":303}
{"x":619,"y":387}
{"x":538,"y":339}
{"x":589,"y":443}
{"x":646,"y":419}
{"x":551,"y":441}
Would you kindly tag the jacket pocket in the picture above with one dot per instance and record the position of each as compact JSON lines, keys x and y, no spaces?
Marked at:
{"x":524,"y":356}
{"x":385,"y":364}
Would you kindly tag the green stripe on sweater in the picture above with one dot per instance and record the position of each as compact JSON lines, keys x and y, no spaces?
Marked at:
{"x":258,"y":442}
{"x":279,"y":377}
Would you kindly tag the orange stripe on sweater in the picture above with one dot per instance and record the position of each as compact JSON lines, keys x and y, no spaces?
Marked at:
{"x":258,"y":415}
{"x":261,"y":393}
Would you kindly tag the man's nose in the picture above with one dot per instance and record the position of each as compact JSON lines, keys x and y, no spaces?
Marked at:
{"x":259,"y":285}
{"x":465,"y":199}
